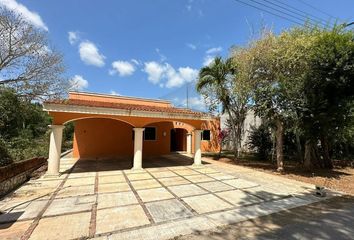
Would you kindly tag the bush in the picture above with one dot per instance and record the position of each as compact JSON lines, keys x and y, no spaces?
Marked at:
{"x":260,"y":141}
{"x":5,"y":157}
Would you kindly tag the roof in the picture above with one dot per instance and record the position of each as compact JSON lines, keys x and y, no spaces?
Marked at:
{"x":118,"y":97}
{"x":125,"y":106}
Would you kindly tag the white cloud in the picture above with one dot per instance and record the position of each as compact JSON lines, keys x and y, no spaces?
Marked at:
{"x":90,"y":54}
{"x":210,"y":55}
{"x":78,"y":83}
{"x":29,"y":16}
{"x":208,"y":59}
{"x":73,"y":37}
{"x":174,"y":79}
{"x":136,"y":62}
{"x":162,"y":57}
{"x":214,"y":50}
{"x":154,"y":71}
{"x":188,"y":73}
{"x":112,"y":92}
{"x":191,"y":46}
{"x":196,"y":103}
{"x":165,"y":72}
{"x":123,"y":68}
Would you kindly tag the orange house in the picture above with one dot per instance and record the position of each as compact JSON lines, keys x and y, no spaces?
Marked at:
{"x":109,"y":126}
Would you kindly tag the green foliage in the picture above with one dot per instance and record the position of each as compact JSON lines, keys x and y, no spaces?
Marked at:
{"x":303,"y":82}
{"x":23,"y":128}
{"x":214,"y":83}
{"x":11,"y":117}
{"x":328,"y":84}
{"x":5,"y":157}
{"x":260,"y":141}
{"x":68,"y":136}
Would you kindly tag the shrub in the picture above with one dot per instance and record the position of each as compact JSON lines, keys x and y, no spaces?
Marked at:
{"x":260,"y":141}
{"x":5,"y":157}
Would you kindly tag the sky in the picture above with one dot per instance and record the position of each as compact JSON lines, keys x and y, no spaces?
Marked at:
{"x":154,"y":49}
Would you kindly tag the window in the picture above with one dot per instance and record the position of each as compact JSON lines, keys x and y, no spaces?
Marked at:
{"x":150,"y":133}
{"x":206,"y":135}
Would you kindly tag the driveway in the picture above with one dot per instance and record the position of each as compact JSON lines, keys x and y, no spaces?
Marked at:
{"x":168,"y":198}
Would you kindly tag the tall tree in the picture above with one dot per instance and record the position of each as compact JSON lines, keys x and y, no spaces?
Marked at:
{"x":216,"y":80}
{"x":328,"y":93}
{"x":276,"y":69}
{"x":27,"y":62}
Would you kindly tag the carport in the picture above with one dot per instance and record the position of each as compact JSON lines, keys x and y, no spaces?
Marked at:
{"x":111,"y":127}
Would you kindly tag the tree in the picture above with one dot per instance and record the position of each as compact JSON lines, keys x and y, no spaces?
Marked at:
{"x":27,"y":62}
{"x":23,"y":128}
{"x":217,"y":80}
{"x":328,"y":93}
{"x":276,"y":65}
{"x":304,"y":84}
{"x":223,"y":136}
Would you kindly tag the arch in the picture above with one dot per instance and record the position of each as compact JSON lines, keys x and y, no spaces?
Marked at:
{"x":176,"y":124}
{"x":96,"y":138}
{"x":178,"y":139}
{"x":97,"y":117}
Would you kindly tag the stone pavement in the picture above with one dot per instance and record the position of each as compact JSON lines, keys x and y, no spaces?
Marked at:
{"x":170,"y":197}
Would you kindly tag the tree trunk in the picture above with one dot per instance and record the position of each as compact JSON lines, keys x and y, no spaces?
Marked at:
{"x":307,"y":156}
{"x":238,"y":137}
{"x":279,"y":134}
{"x":299,"y":148}
{"x":220,"y":150}
{"x":234,"y":133}
{"x":327,"y":162}
{"x":310,"y":157}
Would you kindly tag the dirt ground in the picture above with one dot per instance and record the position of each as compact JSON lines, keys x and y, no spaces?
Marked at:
{"x":341,"y":178}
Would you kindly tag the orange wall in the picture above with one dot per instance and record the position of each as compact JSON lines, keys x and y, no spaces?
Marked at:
{"x":102,"y":138}
{"x":107,"y":138}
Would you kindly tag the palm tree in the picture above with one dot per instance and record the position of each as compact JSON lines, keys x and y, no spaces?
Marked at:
{"x":217,"y":77}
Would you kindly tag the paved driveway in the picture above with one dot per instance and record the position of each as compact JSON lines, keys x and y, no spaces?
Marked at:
{"x":168,"y":198}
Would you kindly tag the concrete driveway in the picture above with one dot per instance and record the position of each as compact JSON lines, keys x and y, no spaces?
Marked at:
{"x":169,"y":198}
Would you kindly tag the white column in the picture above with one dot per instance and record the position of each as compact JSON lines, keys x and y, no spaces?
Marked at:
{"x":56,"y":136}
{"x":197,"y":150}
{"x":138,"y":147}
{"x":189,"y":143}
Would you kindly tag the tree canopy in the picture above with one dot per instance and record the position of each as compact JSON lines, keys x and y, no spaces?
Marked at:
{"x":28,"y":63}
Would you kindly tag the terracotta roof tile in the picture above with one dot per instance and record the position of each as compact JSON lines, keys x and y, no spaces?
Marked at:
{"x":126,"y":106}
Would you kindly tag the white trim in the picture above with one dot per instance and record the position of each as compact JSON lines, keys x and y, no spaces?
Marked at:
{"x":54,"y":107}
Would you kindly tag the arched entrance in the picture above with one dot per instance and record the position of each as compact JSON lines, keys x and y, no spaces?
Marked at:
{"x":178,"y":140}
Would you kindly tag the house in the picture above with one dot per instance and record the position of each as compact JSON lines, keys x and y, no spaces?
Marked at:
{"x":108,"y":126}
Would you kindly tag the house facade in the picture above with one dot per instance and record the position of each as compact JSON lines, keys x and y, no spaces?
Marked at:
{"x":109,"y":126}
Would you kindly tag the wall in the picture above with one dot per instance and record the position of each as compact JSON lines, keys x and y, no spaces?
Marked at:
{"x":107,"y":138}
{"x":15,"y":174}
{"x":102,"y":138}
{"x":251,"y":121}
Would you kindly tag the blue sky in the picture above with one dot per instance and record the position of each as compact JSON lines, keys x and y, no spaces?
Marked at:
{"x":153,"y":48}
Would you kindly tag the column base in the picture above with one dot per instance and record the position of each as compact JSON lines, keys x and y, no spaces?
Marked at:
{"x":51,"y":175}
{"x":137,"y":168}
{"x":197,"y":164}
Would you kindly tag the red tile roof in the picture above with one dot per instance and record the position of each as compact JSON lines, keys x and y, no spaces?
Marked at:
{"x":125,"y":106}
